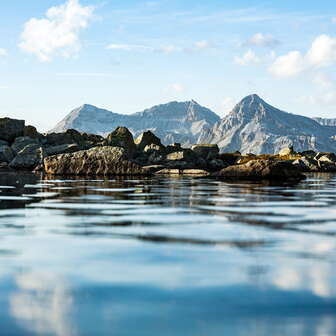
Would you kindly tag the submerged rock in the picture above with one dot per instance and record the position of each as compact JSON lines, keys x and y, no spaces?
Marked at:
{"x":11,"y":128}
{"x":262,"y":169}
{"x":95,"y":161}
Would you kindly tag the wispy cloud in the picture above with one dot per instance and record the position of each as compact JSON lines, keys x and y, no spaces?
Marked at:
{"x":58,"y":32}
{"x":249,"y":58}
{"x":262,"y":40}
{"x":3,"y":52}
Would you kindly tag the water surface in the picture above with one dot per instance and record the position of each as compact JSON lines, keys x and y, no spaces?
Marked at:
{"x":160,"y":256}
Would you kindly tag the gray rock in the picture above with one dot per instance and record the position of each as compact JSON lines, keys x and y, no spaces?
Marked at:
{"x":11,"y":129}
{"x":60,"y":149}
{"x":122,"y":137}
{"x":4,"y":143}
{"x":326,"y":157}
{"x":21,"y":142}
{"x":217,"y":164}
{"x":262,"y":170}
{"x":31,"y":131}
{"x":28,"y":158}
{"x":208,"y":152}
{"x":146,"y":139}
{"x":183,"y":155}
{"x":306,"y":164}
{"x":95,"y":161}
{"x":6,"y":154}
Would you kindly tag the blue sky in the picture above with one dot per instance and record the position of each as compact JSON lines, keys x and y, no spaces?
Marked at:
{"x":128,"y":55}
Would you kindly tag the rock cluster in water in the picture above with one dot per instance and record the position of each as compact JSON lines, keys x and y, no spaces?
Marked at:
{"x":74,"y":153}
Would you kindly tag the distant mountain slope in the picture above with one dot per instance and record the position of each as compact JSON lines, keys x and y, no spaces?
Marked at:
{"x":254,"y":126}
{"x":173,"y":122}
{"x":326,"y":121}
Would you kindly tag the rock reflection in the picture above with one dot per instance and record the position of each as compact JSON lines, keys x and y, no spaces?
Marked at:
{"x":42,"y":304}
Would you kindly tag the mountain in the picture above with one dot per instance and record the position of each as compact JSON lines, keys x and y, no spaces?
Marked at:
{"x":326,"y":122}
{"x":254,"y":126}
{"x":182,"y":122}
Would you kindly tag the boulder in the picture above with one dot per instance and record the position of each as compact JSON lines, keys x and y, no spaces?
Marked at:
{"x":6,"y":154}
{"x":327,"y":166}
{"x":4,"y":143}
{"x":216,"y":164}
{"x":208,"y":152}
{"x":60,"y":149}
{"x":71,"y":136}
{"x":153,"y":148}
{"x":31,"y":131}
{"x":287,"y":151}
{"x":147,"y":138}
{"x":230,"y":158}
{"x":262,"y":170}
{"x":105,"y":160}
{"x":28,"y":158}
{"x":21,"y":142}
{"x":122,"y":137}
{"x":11,"y":129}
{"x":326,"y":157}
{"x":183,"y":155}
{"x":309,"y":153}
{"x":306,"y":164}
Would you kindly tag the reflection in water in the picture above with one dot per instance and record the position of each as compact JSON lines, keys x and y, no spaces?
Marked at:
{"x":179,"y":256}
{"x":42,"y":304}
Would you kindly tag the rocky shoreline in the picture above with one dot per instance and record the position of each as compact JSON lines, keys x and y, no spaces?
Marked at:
{"x":74,"y":153}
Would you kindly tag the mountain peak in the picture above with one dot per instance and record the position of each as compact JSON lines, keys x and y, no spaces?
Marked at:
{"x":253,"y":98}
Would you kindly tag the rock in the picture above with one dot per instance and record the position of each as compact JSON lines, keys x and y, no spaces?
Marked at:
{"x":183,"y":155}
{"x":153,"y":148}
{"x":190,"y":172}
{"x":179,"y":165}
{"x":6,"y":154}
{"x":28,"y":158}
{"x":326,"y":157}
{"x":21,"y":142}
{"x":287,"y":151}
{"x":216,"y":164}
{"x":61,"y":149}
{"x":71,"y":136}
{"x":262,"y":170}
{"x":95,"y":161}
{"x":152,"y":168}
{"x":208,"y":152}
{"x":122,"y":137}
{"x":230,"y":158}
{"x":147,"y":138}
{"x":306,"y":164}
{"x":155,"y":158}
{"x":31,"y":131}
{"x":309,"y":153}
{"x":327,"y":166}
{"x":11,"y":129}
{"x":4,"y":143}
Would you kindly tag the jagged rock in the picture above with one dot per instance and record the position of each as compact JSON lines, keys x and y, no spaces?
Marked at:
{"x":28,"y":158}
{"x":6,"y":154}
{"x":31,"y":131}
{"x":62,"y":149}
{"x":122,"y":137}
{"x":153,"y":148}
{"x":287,"y":151}
{"x":262,"y":169}
{"x":145,"y":139}
{"x":21,"y":142}
{"x":11,"y":129}
{"x":306,"y":164}
{"x":207,"y":152}
{"x":95,"y":161}
{"x":326,"y":157}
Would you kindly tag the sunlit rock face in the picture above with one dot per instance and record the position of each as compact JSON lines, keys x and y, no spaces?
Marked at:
{"x":254,"y":126}
{"x":181,"y":122}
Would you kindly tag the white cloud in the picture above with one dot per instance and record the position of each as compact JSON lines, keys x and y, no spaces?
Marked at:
{"x":57,"y":33}
{"x":3,"y":87}
{"x":167,"y":49}
{"x":227,"y":105}
{"x":247,"y":59}
{"x":177,"y":87}
{"x":322,"y":53}
{"x":3,"y":52}
{"x":333,"y":20}
{"x":327,"y":99}
{"x":262,"y":40}
{"x":323,"y":80}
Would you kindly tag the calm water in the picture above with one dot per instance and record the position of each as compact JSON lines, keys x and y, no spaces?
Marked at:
{"x":167,"y":257}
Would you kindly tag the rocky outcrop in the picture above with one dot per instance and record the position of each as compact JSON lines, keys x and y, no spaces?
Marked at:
{"x":147,"y":139}
{"x":95,"y":161}
{"x":28,"y":158}
{"x":262,"y":170}
{"x":6,"y":154}
{"x":11,"y":129}
{"x":122,"y":137}
{"x":207,"y":152}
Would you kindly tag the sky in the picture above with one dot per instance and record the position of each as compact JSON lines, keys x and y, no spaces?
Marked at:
{"x":128,"y":55}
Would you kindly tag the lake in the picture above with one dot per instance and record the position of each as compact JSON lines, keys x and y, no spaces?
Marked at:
{"x":167,"y":256}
